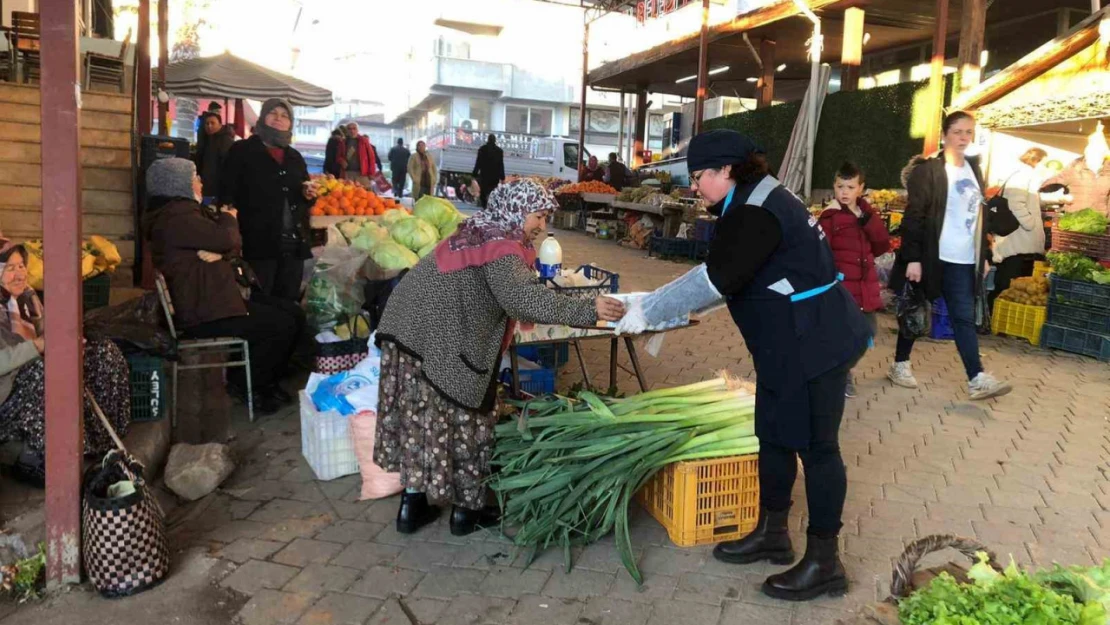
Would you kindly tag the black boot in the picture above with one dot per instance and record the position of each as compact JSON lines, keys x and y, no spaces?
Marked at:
{"x":819,"y":572}
{"x":415,"y":512}
{"x":769,"y":541}
{"x":465,"y":521}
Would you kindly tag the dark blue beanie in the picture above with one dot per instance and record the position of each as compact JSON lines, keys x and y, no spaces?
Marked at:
{"x":716,"y":148}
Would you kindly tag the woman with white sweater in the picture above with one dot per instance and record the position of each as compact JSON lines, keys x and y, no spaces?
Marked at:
{"x":1015,"y":253}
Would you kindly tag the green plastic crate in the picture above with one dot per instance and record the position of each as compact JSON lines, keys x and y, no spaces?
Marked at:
{"x":148,"y":387}
{"x":96,"y":291}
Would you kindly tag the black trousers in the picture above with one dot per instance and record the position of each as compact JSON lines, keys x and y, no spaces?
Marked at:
{"x":280,"y":277}
{"x":270,"y":329}
{"x":826,"y":479}
{"x":487,"y":187}
{"x":399,"y":186}
{"x":1012,"y":267}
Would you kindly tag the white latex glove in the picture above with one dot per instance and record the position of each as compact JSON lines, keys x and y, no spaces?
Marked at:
{"x":634,"y":321}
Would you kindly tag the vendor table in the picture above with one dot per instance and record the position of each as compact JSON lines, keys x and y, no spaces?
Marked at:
{"x":540,"y":334}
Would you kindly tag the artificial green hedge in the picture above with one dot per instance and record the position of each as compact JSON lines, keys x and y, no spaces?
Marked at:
{"x":879,"y":129}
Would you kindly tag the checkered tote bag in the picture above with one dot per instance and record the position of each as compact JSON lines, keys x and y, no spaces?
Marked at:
{"x":123,"y":539}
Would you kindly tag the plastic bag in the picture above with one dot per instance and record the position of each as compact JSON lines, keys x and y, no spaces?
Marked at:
{"x":915,"y":313}
{"x":883,"y":266}
{"x":335,"y":291}
{"x":137,"y":323}
{"x":376,"y":482}
{"x":349,"y":392}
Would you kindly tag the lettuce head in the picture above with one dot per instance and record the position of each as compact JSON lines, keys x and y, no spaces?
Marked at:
{"x":414,"y":233}
{"x":390,"y":255}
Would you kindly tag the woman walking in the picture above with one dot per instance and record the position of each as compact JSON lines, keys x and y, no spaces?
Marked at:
{"x":769,"y":260}
{"x":944,"y":247}
{"x":438,"y":388}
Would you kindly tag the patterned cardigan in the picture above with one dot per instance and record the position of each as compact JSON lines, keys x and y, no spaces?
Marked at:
{"x":455,"y":322}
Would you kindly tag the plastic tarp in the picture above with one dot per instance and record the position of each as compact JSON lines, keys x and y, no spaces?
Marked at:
{"x":228,"y":76}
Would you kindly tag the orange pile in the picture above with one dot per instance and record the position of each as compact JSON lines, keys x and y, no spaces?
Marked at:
{"x":592,"y":186}
{"x":352,"y":200}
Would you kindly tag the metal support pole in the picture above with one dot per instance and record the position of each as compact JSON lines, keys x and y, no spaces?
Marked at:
{"x":61,"y":219}
{"x":142,"y":71}
{"x":851,"y":49}
{"x":703,"y":68}
{"x":814,"y":72}
{"x":640,"y":130}
{"x":936,"y":81}
{"x":973,"y":25}
{"x":765,"y":88}
{"x":620,"y":127}
{"x":582,"y":100}
{"x":163,"y":61}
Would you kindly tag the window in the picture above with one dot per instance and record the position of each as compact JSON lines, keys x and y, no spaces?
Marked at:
{"x":480,"y":112}
{"x":529,"y":120}
{"x":452,"y":49}
{"x":570,"y":155}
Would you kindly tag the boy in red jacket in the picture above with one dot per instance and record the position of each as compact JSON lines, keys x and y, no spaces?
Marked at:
{"x":857,"y":235}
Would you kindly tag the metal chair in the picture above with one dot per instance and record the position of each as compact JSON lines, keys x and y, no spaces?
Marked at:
{"x":222,"y":346}
{"x":26,"y":45}
{"x":102,"y":68}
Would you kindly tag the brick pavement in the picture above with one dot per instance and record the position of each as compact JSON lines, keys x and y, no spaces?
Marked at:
{"x":1025,"y":473}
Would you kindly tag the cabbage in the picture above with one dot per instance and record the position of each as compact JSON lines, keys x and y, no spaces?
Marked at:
{"x":1086,"y":221}
{"x":436,"y":211}
{"x":449,"y":228}
{"x":370,"y":236}
{"x":393,"y":215}
{"x":350,"y":228}
{"x":393,"y":256}
{"x":414,"y":233}
{"x":427,"y":249}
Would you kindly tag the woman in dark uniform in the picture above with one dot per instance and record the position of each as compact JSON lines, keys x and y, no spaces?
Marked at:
{"x":770,"y":263}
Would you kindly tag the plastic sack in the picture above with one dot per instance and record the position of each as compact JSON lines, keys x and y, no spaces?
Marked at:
{"x":381,"y":185}
{"x":376,"y":482}
{"x":883,"y":266}
{"x":914,"y":311}
{"x":349,"y":392}
{"x":137,"y":322}
{"x":335,"y":290}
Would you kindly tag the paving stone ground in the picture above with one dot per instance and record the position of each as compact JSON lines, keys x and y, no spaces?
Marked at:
{"x":1026,"y":474}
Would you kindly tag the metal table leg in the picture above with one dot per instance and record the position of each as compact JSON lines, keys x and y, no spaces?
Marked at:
{"x":635,"y":363}
{"x":514,"y":362}
{"x":613,"y":346}
{"x":582,"y":363}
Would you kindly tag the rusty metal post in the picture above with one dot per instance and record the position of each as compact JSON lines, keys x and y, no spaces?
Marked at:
{"x":703,"y":68}
{"x":936,"y":81}
{"x":163,"y":61}
{"x":640,"y":131}
{"x":145,"y":117}
{"x":61,"y":225}
{"x":582,"y":99}
{"x":765,"y":87}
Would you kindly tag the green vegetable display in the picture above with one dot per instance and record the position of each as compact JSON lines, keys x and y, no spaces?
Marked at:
{"x":569,"y":468}
{"x":414,"y":233}
{"x":370,"y":235}
{"x":1008,"y":598}
{"x":436,"y":211}
{"x":1086,"y":221}
{"x":392,"y":256}
{"x":1072,"y":266}
{"x":393,"y":215}
{"x":1085,"y":585}
{"x":428,"y":249}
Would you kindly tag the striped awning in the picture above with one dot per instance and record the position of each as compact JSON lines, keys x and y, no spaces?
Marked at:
{"x":228,"y":76}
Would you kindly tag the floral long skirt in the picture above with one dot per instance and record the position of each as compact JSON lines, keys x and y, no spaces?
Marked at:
{"x":107,"y":376}
{"x":438,"y":448}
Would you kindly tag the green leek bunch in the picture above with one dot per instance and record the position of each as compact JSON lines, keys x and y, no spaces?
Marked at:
{"x":567,"y":469}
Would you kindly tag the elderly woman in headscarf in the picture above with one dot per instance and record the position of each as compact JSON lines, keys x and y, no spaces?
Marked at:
{"x":264,"y":179}
{"x":442,"y":336}
{"x":23,"y":378}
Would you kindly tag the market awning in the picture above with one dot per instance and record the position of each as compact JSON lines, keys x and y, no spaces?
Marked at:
{"x":228,"y":76}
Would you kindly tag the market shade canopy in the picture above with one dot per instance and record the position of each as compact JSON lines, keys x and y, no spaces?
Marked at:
{"x":228,"y":76}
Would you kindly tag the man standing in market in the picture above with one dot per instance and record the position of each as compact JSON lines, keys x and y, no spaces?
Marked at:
{"x":489,"y":168}
{"x":363,"y":162}
{"x":398,"y":164}
{"x":618,"y":174}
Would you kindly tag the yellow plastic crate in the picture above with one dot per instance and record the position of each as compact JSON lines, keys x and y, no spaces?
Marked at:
{"x":705,"y":501}
{"x":1020,"y":320}
{"x":1041,"y":269}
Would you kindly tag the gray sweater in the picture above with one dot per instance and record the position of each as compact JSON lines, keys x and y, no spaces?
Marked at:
{"x":11,"y":360}
{"x":455,"y":322}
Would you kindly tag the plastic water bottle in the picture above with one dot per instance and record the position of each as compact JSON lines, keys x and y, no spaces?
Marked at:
{"x":550,"y":261}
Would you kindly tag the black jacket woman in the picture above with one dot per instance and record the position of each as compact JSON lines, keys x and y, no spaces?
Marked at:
{"x":944,"y":250}
{"x":770,"y":262}
{"x":213,"y":144}
{"x":264,"y":179}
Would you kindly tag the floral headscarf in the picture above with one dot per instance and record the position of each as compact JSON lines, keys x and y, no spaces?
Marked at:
{"x":498,"y":230}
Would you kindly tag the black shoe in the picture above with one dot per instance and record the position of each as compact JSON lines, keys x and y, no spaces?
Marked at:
{"x":281,"y":394}
{"x":415,"y":512}
{"x":465,"y":521}
{"x":819,"y":572}
{"x":769,"y":541}
{"x":266,"y":403}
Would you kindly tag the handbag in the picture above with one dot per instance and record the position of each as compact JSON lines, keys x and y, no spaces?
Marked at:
{"x":332,"y":358}
{"x":914,"y":311}
{"x":1001,"y":221}
{"x":123,"y":537}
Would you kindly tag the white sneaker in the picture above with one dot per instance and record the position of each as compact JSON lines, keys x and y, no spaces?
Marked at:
{"x":901,"y":374}
{"x":985,"y":386}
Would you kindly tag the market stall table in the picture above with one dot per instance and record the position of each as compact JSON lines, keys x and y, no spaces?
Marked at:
{"x":540,"y":334}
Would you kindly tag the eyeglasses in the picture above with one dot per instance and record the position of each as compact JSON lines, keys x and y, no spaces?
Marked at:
{"x":696,"y":178}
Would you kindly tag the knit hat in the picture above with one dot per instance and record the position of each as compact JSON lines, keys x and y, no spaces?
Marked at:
{"x":171,"y":177}
{"x":716,"y":148}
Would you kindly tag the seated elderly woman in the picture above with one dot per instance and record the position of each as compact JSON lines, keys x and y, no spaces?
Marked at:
{"x":23,"y":379}
{"x":442,"y":336}
{"x":197,"y":250}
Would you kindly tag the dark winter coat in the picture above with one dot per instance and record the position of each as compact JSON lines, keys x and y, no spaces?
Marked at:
{"x":927,"y":185}
{"x":212,"y":153}
{"x":489,"y":168}
{"x":261,"y":188}
{"x":855,"y":248}
{"x":399,"y":160}
{"x":335,"y":155}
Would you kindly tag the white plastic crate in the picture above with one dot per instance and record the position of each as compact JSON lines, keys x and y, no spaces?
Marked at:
{"x":326,"y":441}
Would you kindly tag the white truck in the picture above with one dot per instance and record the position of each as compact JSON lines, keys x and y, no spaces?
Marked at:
{"x":456,"y":150}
